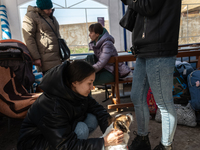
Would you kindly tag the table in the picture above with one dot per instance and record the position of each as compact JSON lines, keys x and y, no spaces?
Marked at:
{"x":188,"y":48}
{"x":83,"y":56}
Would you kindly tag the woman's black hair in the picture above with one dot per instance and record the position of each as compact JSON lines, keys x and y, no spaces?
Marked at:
{"x":97,"y":28}
{"x":78,"y":70}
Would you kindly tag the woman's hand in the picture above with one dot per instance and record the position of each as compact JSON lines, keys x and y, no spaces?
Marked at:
{"x":38,"y":62}
{"x":115,"y":137}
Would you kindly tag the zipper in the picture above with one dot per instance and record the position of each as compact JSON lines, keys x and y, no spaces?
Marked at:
{"x":145,"y":26}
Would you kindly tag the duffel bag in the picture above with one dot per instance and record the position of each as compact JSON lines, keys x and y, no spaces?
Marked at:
{"x":181,"y":92}
{"x":194,"y":88}
{"x":184,"y":68}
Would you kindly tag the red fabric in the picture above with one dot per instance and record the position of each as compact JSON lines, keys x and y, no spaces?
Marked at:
{"x":151,"y":102}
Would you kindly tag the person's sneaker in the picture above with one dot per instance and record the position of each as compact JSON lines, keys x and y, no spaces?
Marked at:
{"x":140,"y":143}
{"x":162,"y":147}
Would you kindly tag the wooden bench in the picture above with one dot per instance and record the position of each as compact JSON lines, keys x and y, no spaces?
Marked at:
{"x":115,"y":95}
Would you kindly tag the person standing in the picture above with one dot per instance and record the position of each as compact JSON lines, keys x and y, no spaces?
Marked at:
{"x":155,"y":44}
{"x":40,"y":39}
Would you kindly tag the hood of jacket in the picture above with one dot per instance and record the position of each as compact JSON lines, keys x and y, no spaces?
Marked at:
{"x":53,"y":84}
{"x":38,"y":10}
{"x":103,"y":39}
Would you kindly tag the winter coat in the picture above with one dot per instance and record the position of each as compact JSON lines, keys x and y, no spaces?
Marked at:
{"x":156,"y":30}
{"x":104,"y":49}
{"x":51,"y":120}
{"x":40,"y":39}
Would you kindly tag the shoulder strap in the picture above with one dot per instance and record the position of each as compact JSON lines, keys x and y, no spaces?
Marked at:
{"x":49,"y":25}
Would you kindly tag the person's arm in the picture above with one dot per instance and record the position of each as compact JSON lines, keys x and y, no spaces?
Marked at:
{"x":115,"y":137}
{"x":100,"y":112}
{"x":38,"y":62}
{"x":106,"y":53}
{"x":29,"y":34}
{"x":58,"y":132}
{"x":145,"y":7}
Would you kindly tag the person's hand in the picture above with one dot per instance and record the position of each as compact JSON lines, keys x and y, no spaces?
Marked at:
{"x":38,"y":62}
{"x":115,"y":137}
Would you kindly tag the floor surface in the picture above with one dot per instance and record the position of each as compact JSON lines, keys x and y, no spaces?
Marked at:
{"x":186,"y":138}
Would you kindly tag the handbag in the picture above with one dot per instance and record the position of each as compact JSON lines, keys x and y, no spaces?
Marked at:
{"x":64,"y":49}
{"x":128,"y":20}
{"x":185,"y":115}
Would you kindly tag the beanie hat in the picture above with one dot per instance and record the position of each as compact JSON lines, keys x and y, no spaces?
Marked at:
{"x":44,"y":4}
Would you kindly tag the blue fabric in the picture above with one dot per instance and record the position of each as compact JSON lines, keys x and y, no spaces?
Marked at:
{"x":193,"y":77}
{"x":83,"y":129}
{"x":38,"y":78}
{"x":158,"y":74}
{"x":184,"y":68}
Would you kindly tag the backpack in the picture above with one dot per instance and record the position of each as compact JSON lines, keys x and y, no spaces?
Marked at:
{"x":194,"y":88}
{"x":185,"y":115}
{"x":184,"y":68}
{"x":181,"y":93}
{"x":151,"y":102}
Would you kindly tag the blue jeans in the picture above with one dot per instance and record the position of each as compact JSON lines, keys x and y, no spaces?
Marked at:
{"x":83,"y":129}
{"x":158,"y":74}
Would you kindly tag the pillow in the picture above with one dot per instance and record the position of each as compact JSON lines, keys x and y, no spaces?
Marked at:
{"x":185,"y":115}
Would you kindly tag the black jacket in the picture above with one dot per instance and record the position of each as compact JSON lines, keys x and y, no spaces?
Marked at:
{"x":51,"y":120}
{"x":156,"y":30}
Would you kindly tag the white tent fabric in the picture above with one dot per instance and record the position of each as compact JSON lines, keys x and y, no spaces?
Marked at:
{"x":116,"y":31}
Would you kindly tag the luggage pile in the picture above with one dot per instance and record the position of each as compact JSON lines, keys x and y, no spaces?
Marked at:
{"x":186,"y":94}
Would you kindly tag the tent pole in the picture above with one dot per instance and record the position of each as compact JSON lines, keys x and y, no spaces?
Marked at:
{"x":1,"y":2}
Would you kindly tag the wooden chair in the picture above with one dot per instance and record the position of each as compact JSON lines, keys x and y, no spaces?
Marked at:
{"x":115,"y":95}
{"x":115,"y":85}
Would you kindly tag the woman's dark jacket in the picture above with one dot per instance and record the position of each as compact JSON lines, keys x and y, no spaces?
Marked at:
{"x":156,"y":30}
{"x":51,"y":120}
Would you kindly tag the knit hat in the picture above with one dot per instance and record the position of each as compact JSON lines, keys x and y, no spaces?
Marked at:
{"x":44,"y":4}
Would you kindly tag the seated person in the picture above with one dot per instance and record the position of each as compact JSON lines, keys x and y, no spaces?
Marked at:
{"x":64,"y":115}
{"x":102,"y":43}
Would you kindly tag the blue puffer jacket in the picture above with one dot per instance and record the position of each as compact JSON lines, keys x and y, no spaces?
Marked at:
{"x":103,"y":50}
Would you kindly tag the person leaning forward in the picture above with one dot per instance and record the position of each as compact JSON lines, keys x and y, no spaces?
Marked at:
{"x":65,"y":114}
{"x":39,"y":37}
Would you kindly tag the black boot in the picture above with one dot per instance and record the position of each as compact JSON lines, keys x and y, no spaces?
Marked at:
{"x":162,"y":147}
{"x":197,"y":116}
{"x":140,"y":143}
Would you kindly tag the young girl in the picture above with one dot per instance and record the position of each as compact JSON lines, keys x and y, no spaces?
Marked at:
{"x":64,"y":115}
